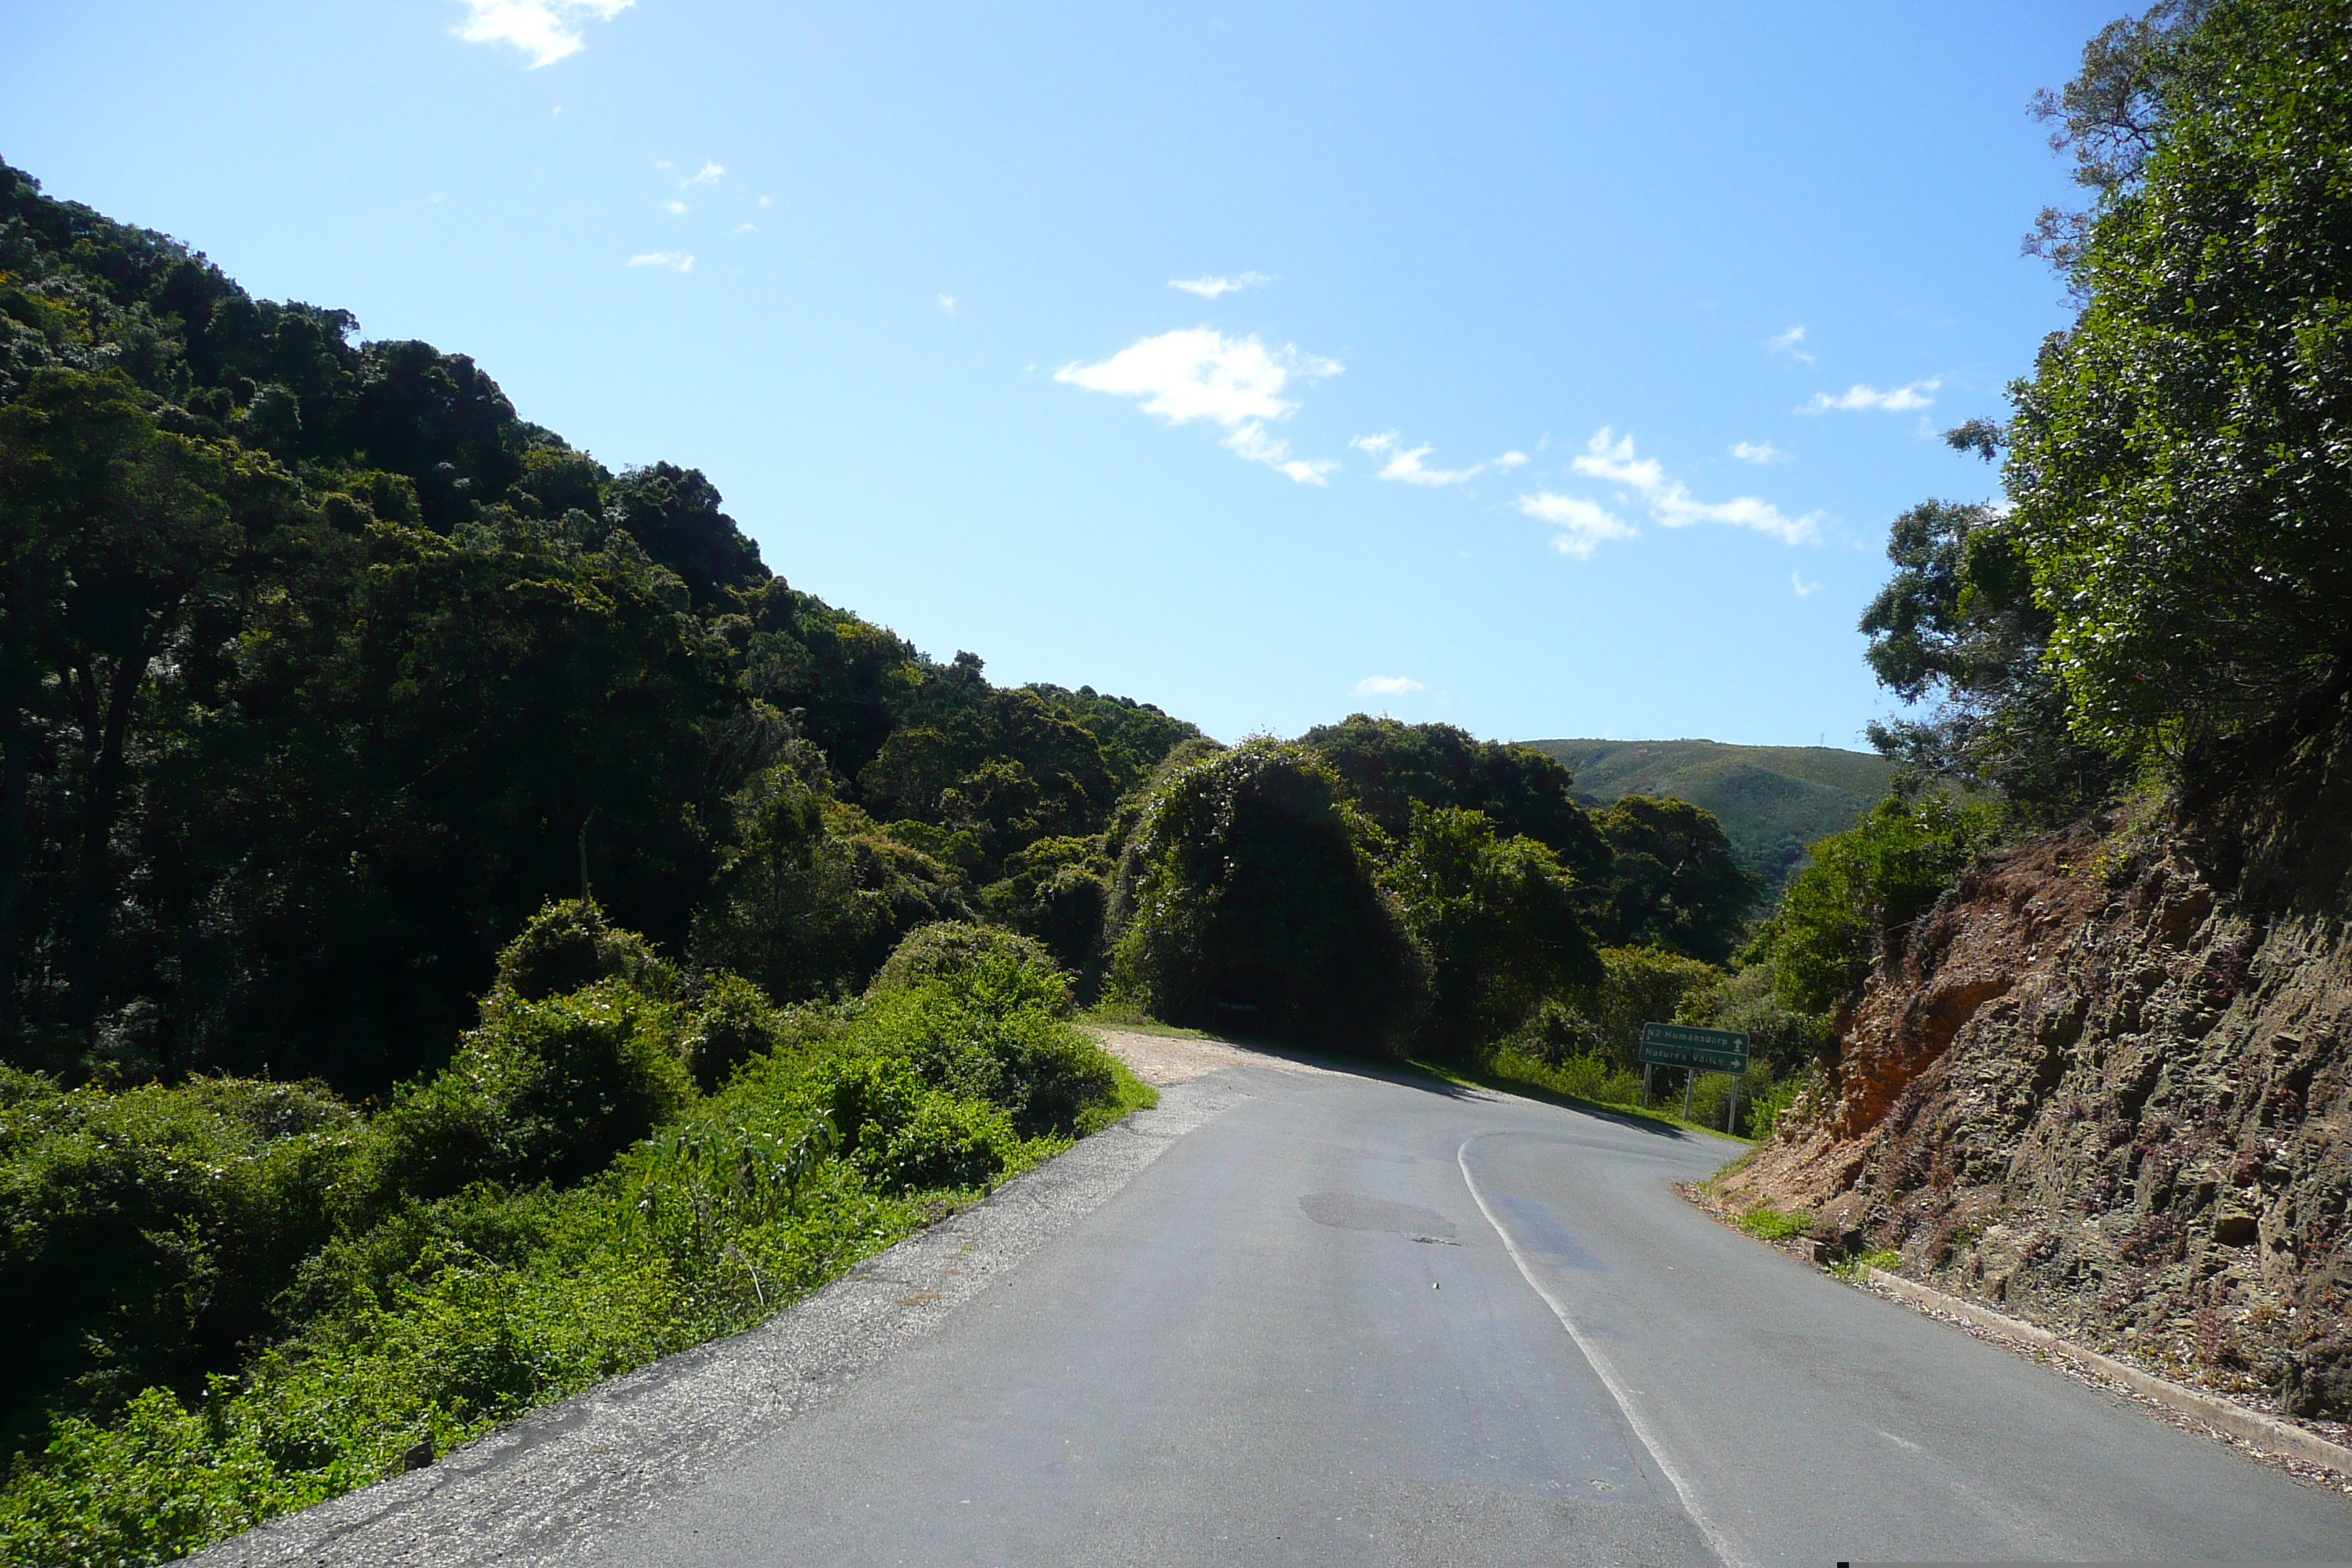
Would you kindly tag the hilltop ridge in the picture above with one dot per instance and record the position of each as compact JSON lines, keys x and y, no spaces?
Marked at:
{"x":1772,"y":801}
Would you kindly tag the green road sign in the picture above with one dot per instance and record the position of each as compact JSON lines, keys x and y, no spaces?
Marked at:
{"x":1711,"y":1050}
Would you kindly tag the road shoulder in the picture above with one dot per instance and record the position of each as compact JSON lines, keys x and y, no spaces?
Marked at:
{"x":2253,"y":1434}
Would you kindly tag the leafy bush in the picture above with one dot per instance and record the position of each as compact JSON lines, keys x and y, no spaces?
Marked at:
{"x":813,"y":896}
{"x":1778,"y":1035}
{"x":1711,"y":1091}
{"x":158,"y":1483}
{"x":568,"y":947}
{"x":542,"y":1092}
{"x":1011,"y":970}
{"x":1639,"y":985}
{"x":1773,"y":1102}
{"x":733,"y":1023}
{"x":1057,"y":891}
{"x":1247,"y":882}
{"x":694,"y":1184}
{"x":1580,"y":1076}
{"x":1500,"y":920}
{"x":1856,"y":902}
{"x":144,"y":1234}
{"x":904,"y":1134}
{"x":983,"y":1014}
{"x":1554,"y":1033}
{"x":1768,"y":1223}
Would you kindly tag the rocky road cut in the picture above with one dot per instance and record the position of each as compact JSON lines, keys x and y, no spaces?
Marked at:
{"x":1306,"y":1316}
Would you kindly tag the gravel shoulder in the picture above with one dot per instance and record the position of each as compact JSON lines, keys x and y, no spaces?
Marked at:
{"x":1165,"y":1060}
{"x":548,"y":1487}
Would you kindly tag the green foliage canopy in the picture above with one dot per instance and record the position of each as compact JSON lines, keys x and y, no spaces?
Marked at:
{"x":1248,"y":883}
{"x":2178,"y":461}
{"x":1500,"y":920}
{"x":1856,"y":902}
{"x":1673,"y":883}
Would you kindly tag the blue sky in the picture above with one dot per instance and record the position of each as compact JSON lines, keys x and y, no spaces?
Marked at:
{"x":1546,"y":369}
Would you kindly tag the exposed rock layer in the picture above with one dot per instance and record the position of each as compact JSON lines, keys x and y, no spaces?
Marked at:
{"x":2100,"y":1087}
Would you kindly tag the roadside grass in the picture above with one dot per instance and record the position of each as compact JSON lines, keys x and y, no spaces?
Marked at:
{"x":1860,"y":1267}
{"x":1129,"y":1019}
{"x":1768,"y":1223}
{"x":1132,"y":1095}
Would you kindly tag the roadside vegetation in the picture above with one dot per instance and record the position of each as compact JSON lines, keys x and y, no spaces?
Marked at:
{"x":614,"y":1166}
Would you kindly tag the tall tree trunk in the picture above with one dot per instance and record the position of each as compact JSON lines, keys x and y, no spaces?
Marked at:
{"x":110,"y":717}
{"x":15,"y":782}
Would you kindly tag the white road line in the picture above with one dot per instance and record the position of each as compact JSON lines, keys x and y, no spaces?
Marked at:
{"x":1729,"y":1555}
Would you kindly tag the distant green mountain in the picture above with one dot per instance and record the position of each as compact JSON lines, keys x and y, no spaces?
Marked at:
{"x":1771,"y":800}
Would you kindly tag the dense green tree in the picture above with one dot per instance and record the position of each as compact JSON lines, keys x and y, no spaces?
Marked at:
{"x":1673,"y":881}
{"x":110,"y":531}
{"x":1389,"y":767}
{"x":809,"y":901}
{"x":1855,"y":906}
{"x":1247,"y":884}
{"x":1058,"y":892}
{"x":2177,"y":460}
{"x":1133,"y":737}
{"x":1500,"y":920}
{"x":320,"y":669}
{"x":674,"y":513}
{"x":1958,"y":624}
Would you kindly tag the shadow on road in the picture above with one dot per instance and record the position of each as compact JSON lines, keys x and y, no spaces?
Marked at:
{"x":1450,"y":1083}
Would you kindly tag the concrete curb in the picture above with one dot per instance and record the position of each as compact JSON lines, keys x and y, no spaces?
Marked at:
{"x":2265,"y":1431}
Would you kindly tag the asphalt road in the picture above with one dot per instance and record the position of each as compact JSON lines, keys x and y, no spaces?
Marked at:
{"x":1350,"y":1320}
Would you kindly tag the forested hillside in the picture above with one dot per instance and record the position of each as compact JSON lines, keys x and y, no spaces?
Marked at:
{"x":323,"y":669}
{"x":1771,"y":800}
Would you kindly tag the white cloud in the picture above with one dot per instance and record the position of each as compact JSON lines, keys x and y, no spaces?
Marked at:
{"x":1209,"y":288}
{"x":709,"y":174}
{"x":676,"y":209}
{"x":767,"y":201}
{"x":747,"y":229}
{"x":1759,"y":452}
{"x":1585,"y":523}
{"x":1671,"y":502}
{"x":1386,"y":686}
{"x":661,"y":162}
{"x":1198,"y":373}
{"x":1894,"y":400}
{"x":546,"y":30}
{"x":676,"y":260}
{"x":1252,"y":442}
{"x":947,"y":303}
{"x":1786,"y":343}
{"x":1804,"y":590}
{"x":1510,"y":461}
{"x":1405,"y":464}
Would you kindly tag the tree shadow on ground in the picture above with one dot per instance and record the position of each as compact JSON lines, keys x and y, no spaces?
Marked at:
{"x":1450,"y":1082}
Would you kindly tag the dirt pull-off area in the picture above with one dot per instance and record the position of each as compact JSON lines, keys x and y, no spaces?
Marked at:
{"x":2105,"y":1092}
{"x":1163,"y":1059}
